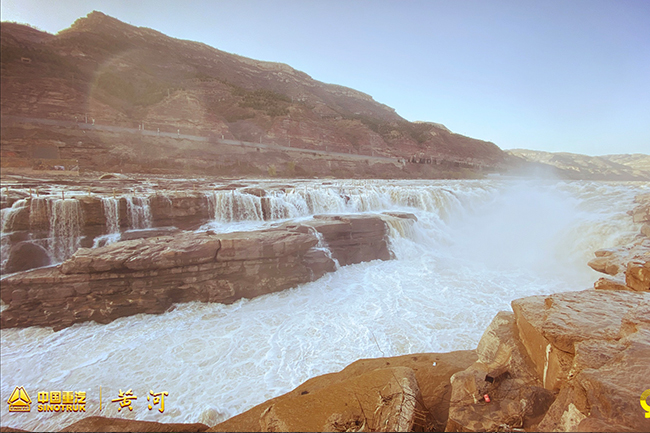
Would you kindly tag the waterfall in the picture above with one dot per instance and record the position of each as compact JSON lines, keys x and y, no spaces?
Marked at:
{"x":323,"y":246}
{"x":66,"y":222}
{"x":400,"y":227}
{"x":39,"y":213}
{"x":8,"y":215}
{"x":230,"y":206}
{"x":7,"y":218}
{"x":112,"y":214}
{"x":138,"y":211}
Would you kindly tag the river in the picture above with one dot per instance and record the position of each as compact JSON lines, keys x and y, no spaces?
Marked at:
{"x":476,"y":246}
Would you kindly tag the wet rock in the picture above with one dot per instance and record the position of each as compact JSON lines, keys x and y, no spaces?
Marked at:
{"x":26,"y":255}
{"x":230,"y":187}
{"x":628,"y":264}
{"x":149,"y":233}
{"x":182,"y":209}
{"x":605,"y":264}
{"x":108,"y":176}
{"x":645,"y":230}
{"x":402,"y":215}
{"x":258,"y":192}
{"x":101,"y":424}
{"x":641,"y":214}
{"x":354,"y":238}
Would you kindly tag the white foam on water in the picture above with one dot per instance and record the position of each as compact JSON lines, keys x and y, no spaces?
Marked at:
{"x":476,"y":246}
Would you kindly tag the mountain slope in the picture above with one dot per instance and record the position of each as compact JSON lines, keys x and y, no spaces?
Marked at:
{"x":119,"y":74}
{"x":577,"y":166}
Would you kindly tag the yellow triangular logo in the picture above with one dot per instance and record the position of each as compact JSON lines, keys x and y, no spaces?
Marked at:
{"x":19,"y":400}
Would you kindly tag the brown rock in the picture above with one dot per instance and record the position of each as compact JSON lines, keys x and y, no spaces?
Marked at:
{"x":610,"y":284}
{"x":149,"y":233}
{"x":26,"y":255}
{"x":505,"y":373}
{"x":149,"y":275}
{"x":605,"y":395}
{"x":637,"y":275}
{"x":641,"y":213}
{"x":101,"y":424}
{"x":258,"y":192}
{"x":604,"y":264}
{"x":352,"y":238}
{"x":645,"y":230}
{"x":332,"y":402}
{"x":550,"y":327}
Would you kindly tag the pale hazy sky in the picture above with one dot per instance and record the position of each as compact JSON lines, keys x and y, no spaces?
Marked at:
{"x":569,"y":75}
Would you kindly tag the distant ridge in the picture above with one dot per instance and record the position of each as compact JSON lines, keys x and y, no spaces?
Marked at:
{"x":577,"y":166}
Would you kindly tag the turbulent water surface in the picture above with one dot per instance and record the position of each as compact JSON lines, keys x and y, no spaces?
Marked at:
{"x":477,"y":245}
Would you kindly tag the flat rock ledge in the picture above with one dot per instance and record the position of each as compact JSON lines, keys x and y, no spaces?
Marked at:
{"x":149,"y":275}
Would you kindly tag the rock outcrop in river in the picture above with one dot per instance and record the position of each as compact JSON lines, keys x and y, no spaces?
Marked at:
{"x":149,"y":275}
{"x":628,"y":266}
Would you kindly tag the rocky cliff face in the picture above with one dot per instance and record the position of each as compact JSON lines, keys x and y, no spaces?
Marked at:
{"x":118,"y":74}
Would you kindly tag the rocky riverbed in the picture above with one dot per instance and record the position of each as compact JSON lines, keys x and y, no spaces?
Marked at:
{"x":571,"y":361}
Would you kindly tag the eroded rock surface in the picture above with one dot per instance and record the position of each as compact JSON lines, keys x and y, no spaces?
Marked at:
{"x":628,"y":266}
{"x":574,"y":361}
{"x":149,"y":275}
{"x":381,"y":394}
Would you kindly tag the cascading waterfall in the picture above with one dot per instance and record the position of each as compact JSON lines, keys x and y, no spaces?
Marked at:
{"x":111,"y":208}
{"x":39,"y":215}
{"x":8,"y":215}
{"x":66,"y":223}
{"x":138,"y":212}
{"x":236,"y":206}
{"x":323,"y":246}
{"x":7,"y":219}
{"x":230,"y":206}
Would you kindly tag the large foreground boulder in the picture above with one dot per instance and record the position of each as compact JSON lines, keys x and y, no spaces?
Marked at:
{"x":383,"y":394}
{"x":593,"y":347}
{"x":574,"y":361}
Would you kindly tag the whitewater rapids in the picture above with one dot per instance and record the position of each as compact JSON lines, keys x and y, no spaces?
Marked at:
{"x":477,"y":245}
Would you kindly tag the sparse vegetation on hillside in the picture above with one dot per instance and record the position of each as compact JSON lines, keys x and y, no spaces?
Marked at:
{"x":140,"y":91}
{"x":272,"y":103}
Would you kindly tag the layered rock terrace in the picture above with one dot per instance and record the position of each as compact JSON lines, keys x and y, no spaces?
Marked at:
{"x":149,"y":275}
